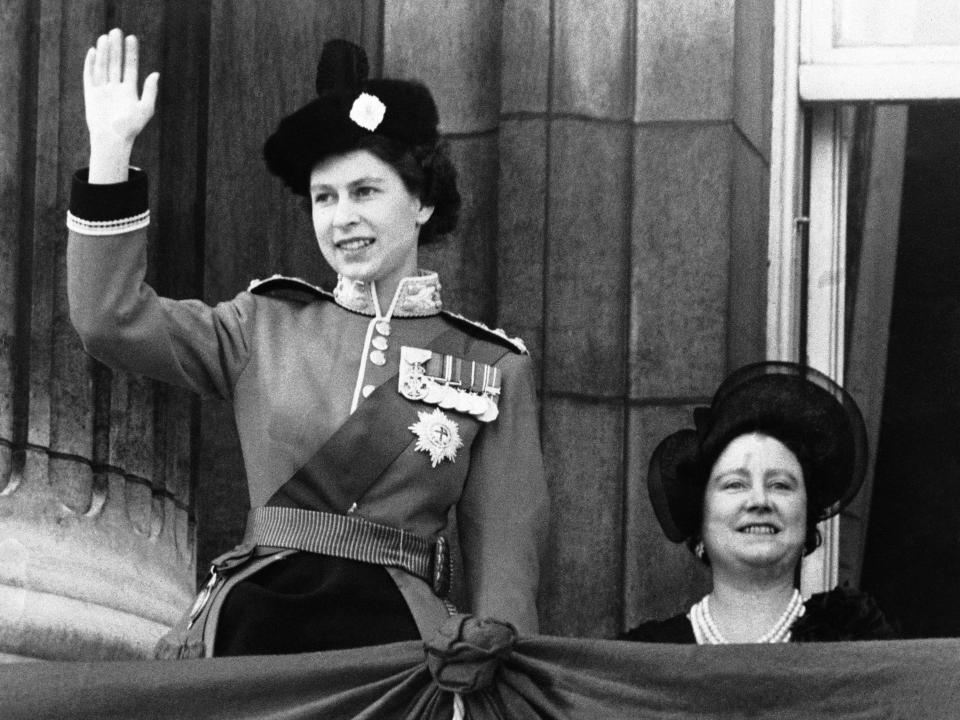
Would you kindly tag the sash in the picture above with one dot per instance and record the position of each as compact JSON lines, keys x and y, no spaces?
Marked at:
{"x":372,"y":438}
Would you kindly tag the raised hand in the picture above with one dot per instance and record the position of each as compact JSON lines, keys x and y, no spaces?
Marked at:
{"x":115,"y":112}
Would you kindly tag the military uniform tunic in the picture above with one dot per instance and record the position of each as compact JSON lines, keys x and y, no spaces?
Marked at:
{"x":296,"y":370}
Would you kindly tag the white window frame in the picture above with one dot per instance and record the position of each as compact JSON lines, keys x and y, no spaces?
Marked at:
{"x":824,"y":346}
{"x":812,"y":65}
{"x":894,"y":67}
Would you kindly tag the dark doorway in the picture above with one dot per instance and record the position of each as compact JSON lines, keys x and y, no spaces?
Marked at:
{"x":911,"y":562}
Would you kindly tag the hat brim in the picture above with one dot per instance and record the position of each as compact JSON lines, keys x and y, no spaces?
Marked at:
{"x":674,"y":492}
{"x":788,"y":401}
{"x":795,"y":403}
{"x":323,"y":128}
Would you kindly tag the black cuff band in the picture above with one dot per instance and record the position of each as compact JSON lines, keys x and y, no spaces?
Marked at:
{"x":117,"y":201}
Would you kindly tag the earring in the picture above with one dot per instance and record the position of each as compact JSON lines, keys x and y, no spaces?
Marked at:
{"x":699,"y":550}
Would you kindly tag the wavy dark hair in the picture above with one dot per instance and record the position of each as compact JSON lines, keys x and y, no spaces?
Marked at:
{"x":428,"y":173}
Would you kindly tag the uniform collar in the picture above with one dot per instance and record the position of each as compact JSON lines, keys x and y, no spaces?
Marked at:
{"x":416,"y":296}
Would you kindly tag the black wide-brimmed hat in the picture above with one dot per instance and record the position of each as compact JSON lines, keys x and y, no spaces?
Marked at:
{"x":793,"y":403}
{"x":348,"y":108}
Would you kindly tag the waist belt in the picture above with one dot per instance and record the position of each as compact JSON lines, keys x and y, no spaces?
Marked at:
{"x":352,"y":538}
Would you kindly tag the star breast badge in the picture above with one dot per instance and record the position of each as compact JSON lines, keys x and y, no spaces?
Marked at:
{"x":437,"y":435}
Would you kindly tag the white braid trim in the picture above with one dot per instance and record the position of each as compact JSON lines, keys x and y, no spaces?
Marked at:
{"x":107,"y":227}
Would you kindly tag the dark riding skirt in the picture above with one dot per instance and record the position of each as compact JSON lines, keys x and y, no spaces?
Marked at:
{"x":308,"y":603}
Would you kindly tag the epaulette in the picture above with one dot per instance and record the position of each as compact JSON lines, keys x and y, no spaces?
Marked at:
{"x":288,"y":288}
{"x":494,"y":335}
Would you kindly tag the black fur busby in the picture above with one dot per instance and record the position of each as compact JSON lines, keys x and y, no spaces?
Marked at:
{"x":799,"y":406}
{"x":349,"y":107}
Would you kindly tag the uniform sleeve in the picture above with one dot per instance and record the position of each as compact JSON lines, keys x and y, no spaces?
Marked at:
{"x":121,"y":320}
{"x":502,"y":515}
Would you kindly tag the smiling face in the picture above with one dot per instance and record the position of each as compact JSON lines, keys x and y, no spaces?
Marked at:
{"x":366,"y":221}
{"x":755,"y":506}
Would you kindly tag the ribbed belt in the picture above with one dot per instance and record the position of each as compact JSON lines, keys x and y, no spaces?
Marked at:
{"x":352,"y":538}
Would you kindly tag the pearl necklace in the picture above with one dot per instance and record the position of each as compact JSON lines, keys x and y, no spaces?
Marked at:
{"x":707,"y":633}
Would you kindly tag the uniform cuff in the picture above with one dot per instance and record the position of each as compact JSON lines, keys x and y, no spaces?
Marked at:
{"x":108,"y":209}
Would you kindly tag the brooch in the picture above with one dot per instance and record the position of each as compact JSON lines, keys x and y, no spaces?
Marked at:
{"x":450,"y":382}
{"x":438,"y":436}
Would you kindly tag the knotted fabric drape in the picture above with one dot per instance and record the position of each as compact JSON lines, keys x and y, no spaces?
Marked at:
{"x":501,"y":676}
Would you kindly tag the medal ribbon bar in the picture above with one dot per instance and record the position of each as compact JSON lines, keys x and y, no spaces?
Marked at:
{"x":450,"y":382}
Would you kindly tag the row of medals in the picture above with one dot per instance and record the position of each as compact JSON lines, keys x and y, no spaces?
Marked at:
{"x":415,"y":384}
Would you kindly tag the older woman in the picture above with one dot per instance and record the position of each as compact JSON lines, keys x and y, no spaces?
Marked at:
{"x":780,"y":448}
{"x":364,"y":414}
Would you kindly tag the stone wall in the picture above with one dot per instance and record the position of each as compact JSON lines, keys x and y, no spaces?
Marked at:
{"x":96,"y":535}
{"x":634,"y":156}
{"x":613,"y":159}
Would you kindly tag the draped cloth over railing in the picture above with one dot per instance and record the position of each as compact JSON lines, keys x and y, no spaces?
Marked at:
{"x":499,"y":675}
